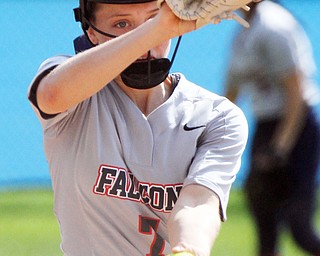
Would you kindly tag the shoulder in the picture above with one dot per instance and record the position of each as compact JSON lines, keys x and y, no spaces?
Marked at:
{"x":48,"y":65}
{"x":52,"y":62}
{"x":211,"y":108}
{"x":275,"y":18}
{"x":191,"y":91}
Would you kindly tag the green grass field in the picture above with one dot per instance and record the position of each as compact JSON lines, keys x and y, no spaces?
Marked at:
{"x":29,"y":228}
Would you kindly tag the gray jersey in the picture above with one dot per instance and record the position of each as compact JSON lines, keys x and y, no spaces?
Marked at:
{"x":117,"y":173}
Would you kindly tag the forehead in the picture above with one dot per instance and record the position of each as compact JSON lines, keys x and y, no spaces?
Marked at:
{"x":124,"y":9}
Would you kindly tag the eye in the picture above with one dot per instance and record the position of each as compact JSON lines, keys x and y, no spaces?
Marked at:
{"x":122,"y":24}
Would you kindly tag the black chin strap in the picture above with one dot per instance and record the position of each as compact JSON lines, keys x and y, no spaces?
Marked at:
{"x":98,"y":30}
{"x":149,"y":73}
{"x":175,"y":50}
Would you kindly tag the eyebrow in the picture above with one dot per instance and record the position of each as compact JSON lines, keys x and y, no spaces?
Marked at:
{"x":128,"y":14}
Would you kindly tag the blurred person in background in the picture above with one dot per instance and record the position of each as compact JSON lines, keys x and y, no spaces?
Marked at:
{"x":272,"y":63}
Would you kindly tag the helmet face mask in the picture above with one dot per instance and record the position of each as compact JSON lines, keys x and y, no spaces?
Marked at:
{"x":139,"y":75}
{"x":83,"y":15}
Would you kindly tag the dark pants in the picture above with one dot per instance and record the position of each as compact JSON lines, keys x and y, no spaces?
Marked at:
{"x":287,"y":193}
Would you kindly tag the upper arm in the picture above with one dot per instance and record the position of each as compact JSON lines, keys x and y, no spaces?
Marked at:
{"x":33,"y":94}
{"x":195,"y":195}
{"x":195,"y":221}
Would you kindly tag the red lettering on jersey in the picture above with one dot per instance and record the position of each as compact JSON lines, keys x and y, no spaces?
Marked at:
{"x":120,"y":183}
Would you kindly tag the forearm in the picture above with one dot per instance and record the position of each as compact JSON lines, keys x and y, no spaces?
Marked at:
{"x":195,"y":221}
{"x":292,"y":122}
{"x":85,"y":74}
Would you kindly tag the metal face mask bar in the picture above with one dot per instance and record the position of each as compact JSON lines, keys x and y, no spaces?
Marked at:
{"x":135,"y":75}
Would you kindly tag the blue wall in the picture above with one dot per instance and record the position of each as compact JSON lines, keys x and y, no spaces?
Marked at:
{"x":33,"y":30}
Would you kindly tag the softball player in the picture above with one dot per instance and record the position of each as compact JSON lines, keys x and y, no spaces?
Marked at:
{"x":272,"y":62}
{"x":135,"y":171}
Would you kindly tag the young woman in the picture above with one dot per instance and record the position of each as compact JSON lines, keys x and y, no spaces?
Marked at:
{"x":141,"y":161}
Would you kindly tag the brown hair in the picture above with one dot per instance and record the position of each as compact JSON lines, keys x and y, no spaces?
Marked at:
{"x":91,"y":9}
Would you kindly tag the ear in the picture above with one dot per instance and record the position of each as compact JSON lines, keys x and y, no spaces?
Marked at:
{"x":92,"y":36}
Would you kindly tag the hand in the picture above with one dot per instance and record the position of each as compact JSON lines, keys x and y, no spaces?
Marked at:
{"x":181,"y":254}
{"x":172,"y":24}
{"x":269,"y":160}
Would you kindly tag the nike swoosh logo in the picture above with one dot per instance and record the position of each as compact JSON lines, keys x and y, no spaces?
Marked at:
{"x":187,"y":128}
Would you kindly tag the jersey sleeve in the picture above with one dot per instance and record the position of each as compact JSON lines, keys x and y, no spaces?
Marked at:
{"x":45,"y":68}
{"x":218,"y":157}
